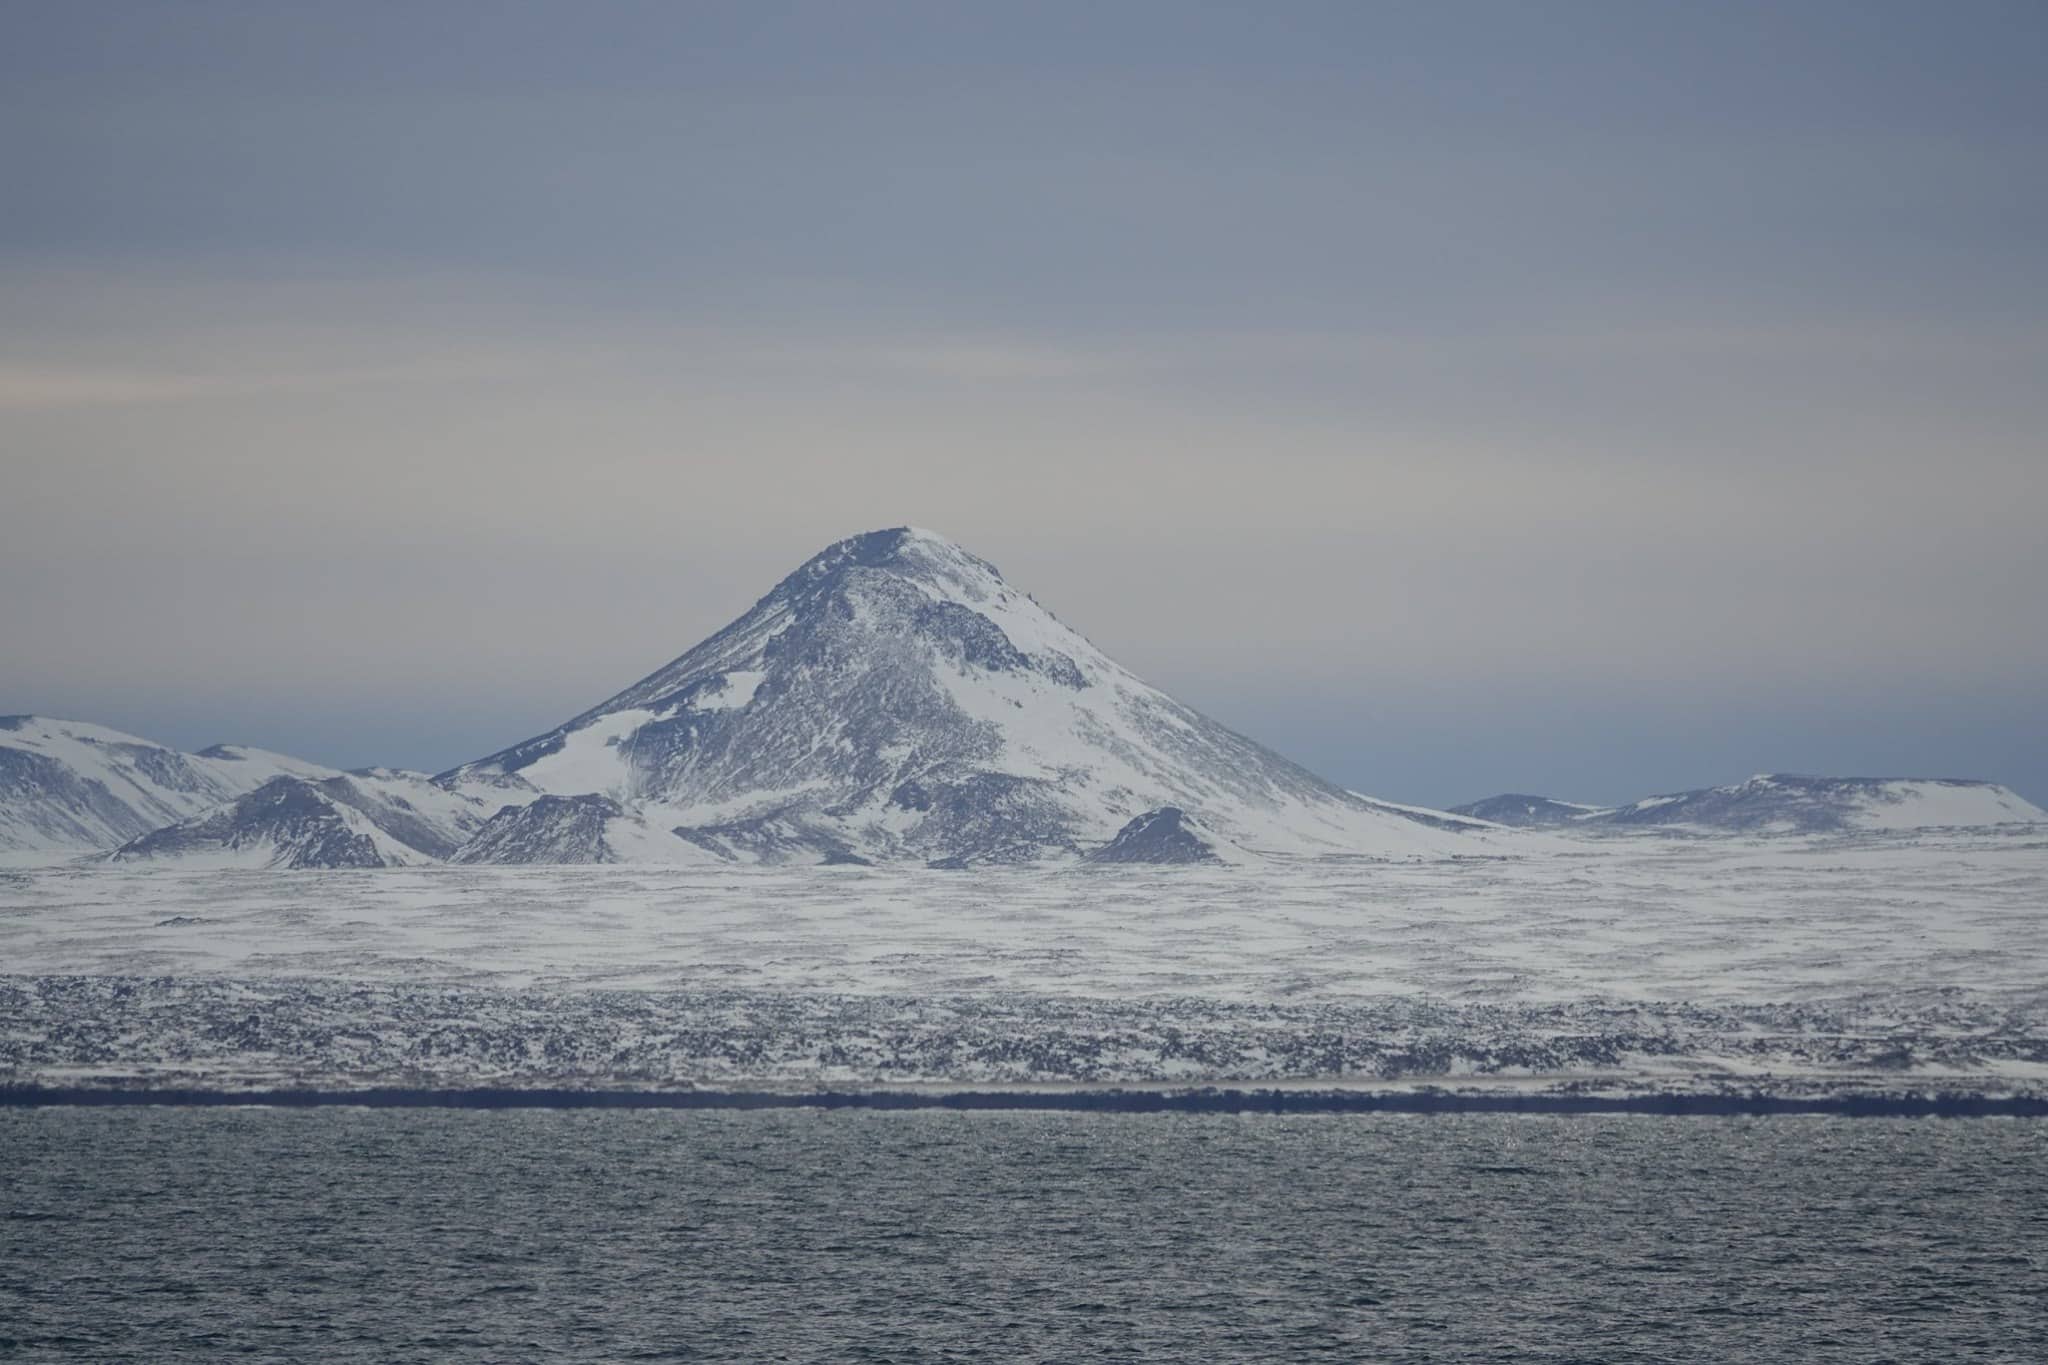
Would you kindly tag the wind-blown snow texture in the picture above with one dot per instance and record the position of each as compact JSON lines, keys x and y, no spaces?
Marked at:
{"x":1790,"y":965}
{"x":1783,"y":803}
{"x":895,"y":700}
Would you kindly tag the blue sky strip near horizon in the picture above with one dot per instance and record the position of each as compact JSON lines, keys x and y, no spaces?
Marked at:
{"x":1591,"y":399}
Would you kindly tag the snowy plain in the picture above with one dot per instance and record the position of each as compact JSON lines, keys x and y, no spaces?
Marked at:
{"x":1875,"y":960}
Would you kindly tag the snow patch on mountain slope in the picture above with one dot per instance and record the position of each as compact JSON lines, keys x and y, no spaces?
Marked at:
{"x":412,"y":808}
{"x":588,"y":760}
{"x":733,"y":691}
{"x":246,"y":768}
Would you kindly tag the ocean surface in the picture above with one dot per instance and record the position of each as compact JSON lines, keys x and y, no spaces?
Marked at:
{"x":434,"y":1235}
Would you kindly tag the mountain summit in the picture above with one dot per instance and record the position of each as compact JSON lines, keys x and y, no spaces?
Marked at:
{"x":895,"y":699}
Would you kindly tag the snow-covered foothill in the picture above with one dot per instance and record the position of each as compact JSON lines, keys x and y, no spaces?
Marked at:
{"x":1783,"y":803}
{"x":70,"y":787}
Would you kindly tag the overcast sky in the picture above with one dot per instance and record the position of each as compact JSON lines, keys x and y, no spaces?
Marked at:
{"x":1588,"y":399}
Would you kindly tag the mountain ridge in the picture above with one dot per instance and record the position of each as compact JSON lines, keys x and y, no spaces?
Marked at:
{"x":1783,"y":802}
{"x":75,"y":787}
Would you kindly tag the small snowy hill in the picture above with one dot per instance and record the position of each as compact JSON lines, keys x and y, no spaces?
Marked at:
{"x":1782,"y":803}
{"x":380,"y":817}
{"x":287,"y":822}
{"x":68,"y":787}
{"x":1526,"y":812}
{"x":894,"y":699}
{"x":1160,"y":836}
{"x":577,"y":829}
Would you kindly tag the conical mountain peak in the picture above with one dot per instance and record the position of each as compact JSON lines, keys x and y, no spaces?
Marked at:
{"x":907,"y":552}
{"x":894,"y":698}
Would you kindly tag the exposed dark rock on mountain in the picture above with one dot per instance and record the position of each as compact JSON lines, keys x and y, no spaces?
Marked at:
{"x":1525,"y":812}
{"x":379,"y":818}
{"x":551,"y":829}
{"x":1158,"y":836}
{"x":286,"y":822}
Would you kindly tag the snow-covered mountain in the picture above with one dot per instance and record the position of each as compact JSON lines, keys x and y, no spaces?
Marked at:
{"x":894,"y":699}
{"x":1784,"y":803}
{"x":379,"y":817}
{"x":68,"y":787}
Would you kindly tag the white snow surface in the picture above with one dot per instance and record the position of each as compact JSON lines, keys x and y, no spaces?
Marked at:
{"x":589,"y":761}
{"x":1879,"y":958}
{"x":1737,"y":919}
{"x":733,"y":693}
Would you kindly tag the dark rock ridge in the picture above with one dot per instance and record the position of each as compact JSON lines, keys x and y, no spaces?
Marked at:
{"x":286,"y":822}
{"x":550,"y":829}
{"x":1158,"y":836}
{"x":367,"y":819}
{"x":1525,"y":812}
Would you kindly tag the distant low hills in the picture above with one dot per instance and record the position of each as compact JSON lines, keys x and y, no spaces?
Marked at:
{"x":1782,"y":803}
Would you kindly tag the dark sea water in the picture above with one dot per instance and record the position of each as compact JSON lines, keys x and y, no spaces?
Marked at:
{"x":423,"y":1235}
